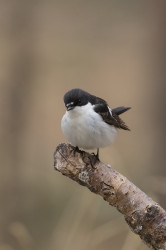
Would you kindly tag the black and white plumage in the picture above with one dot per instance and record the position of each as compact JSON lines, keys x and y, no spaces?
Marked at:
{"x":89,"y":122}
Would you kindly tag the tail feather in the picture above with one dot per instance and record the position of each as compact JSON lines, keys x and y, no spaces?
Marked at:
{"x":120,"y":110}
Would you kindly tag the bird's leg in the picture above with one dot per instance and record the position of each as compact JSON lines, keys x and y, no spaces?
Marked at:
{"x":97,"y":155}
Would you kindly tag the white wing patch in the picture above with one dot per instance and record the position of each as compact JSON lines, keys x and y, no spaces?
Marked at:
{"x":110,"y":110}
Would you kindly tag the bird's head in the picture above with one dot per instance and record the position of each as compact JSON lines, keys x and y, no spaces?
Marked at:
{"x":76,"y":98}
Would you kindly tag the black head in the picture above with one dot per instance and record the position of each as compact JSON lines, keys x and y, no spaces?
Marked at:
{"x":76,"y":97}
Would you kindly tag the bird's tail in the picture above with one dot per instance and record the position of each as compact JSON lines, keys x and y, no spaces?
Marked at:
{"x":120,"y":110}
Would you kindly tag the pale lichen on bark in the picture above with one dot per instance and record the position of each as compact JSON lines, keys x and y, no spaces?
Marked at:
{"x":144,"y":216}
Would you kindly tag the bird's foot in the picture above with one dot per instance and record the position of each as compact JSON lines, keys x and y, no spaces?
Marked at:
{"x":95,"y":159}
{"x":77,"y":150}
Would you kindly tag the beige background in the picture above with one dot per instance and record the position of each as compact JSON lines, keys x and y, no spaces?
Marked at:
{"x":113,"y":49}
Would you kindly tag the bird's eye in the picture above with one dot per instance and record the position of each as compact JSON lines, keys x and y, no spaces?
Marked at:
{"x":79,"y":101}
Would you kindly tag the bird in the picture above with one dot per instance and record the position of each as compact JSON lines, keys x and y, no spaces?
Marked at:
{"x":89,"y":122}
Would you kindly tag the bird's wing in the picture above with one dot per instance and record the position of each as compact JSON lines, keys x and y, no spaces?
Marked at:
{"x":109,"y":116}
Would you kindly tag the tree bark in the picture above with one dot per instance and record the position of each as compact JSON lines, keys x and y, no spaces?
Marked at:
{"x":144,"y":216}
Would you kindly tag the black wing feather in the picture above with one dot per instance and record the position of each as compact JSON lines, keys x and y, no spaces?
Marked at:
{"x":112,"y":119}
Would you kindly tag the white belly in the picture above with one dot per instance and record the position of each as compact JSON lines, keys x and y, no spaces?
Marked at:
{"x":86,"y":133}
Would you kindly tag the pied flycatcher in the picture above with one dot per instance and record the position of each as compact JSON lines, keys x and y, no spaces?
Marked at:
{"x":89,"y":122}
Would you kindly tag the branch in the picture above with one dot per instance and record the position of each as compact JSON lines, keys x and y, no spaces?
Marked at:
{"x":144,"y":216}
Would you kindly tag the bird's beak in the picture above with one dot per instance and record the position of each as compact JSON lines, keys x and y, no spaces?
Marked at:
{"x":70,"y":106}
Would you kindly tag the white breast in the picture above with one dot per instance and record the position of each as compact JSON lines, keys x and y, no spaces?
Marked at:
{"x":86,"y":129}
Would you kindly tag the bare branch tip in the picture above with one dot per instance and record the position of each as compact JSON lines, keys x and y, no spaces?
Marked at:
{"x":144,"y":216}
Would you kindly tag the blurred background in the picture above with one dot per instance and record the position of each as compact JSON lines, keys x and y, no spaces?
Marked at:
{"x":113,"y":49}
